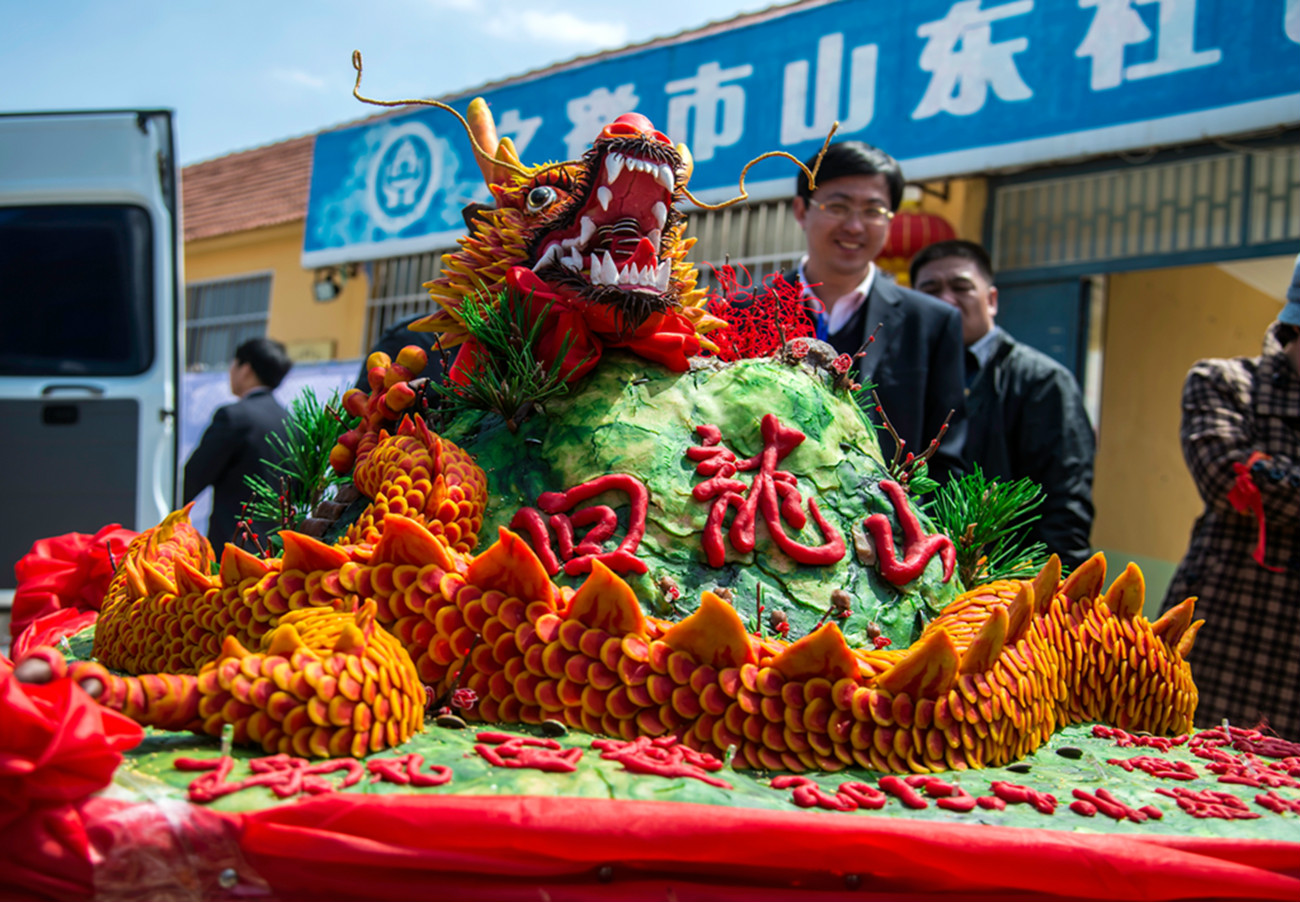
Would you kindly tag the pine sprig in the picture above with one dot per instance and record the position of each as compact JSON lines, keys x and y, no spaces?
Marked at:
{"x":510,"y":379}
{"x":302,"y":477}
{"x":989,"y":523}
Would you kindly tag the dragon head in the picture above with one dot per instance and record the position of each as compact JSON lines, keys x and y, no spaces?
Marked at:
{"x":597,"y":231}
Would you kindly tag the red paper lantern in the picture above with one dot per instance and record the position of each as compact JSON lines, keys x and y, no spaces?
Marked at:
{"x":910,"y":231}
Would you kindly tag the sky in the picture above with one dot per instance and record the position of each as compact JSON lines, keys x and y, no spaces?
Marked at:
{"x":243,"y":73}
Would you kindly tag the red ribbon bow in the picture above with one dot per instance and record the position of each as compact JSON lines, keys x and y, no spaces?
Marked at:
{"x":1245,"y":496}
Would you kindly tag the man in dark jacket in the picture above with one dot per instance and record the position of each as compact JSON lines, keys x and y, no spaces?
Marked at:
{"x":235,"y":443}
{"x":915,"y":360}
{"x":1026,"y":414}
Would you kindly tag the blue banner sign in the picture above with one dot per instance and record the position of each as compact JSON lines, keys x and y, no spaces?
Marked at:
{"x":946,"y":87}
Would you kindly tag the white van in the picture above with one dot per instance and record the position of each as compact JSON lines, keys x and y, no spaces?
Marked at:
{"x":90,"y":324}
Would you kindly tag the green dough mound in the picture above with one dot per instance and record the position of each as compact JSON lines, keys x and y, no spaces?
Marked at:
{"x":634,"y":417}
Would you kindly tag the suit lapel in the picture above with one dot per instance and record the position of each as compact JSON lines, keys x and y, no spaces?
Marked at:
{"x":882,"y":308}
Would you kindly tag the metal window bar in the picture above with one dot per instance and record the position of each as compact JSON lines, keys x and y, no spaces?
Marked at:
{"x":762,"y":237}
{"x":397,"y":292}
{"x":222,"y":314}
{"x":1274,"y":195}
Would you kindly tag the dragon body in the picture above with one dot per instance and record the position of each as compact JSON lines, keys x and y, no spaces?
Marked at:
{"x":336,"y":648}
{"x":988,"y":681}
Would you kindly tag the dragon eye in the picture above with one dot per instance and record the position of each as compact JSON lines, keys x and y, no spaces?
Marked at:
{"x":541,"y":197}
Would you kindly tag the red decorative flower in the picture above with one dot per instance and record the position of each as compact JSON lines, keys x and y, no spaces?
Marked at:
{"x":882,"y":642}
{"x":842,"y":363}
{"x":464,"y":698}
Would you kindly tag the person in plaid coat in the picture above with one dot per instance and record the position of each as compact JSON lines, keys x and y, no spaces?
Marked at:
{"x":1241,"y":439}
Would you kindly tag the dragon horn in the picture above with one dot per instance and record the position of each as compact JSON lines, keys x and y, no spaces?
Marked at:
{"x":688,"y":162}
{"x":484,"y":129}
{"x":1174,"y":622}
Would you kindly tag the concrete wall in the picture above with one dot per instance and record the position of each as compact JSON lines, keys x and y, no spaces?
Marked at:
{"x":1159,"y":323}
{"x":311,"y":329}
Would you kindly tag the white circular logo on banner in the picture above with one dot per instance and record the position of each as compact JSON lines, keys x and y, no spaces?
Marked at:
{"x":404,"y":173}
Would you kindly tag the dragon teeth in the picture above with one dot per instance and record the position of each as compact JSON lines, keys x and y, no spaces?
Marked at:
{"x":588,"y":229}
{"x":613,"y":167}
{"x":604,"y":195}
{"x":573,"y":260}
{"x":664,"y":176}
{"x":661,"y":213}
{"x":655,"y":236}
{"x":662,"y":276}
{"x":552,"y":255}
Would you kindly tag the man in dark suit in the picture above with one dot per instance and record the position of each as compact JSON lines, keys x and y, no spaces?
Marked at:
{"x":1027,"y":418}
{"x":235,"y":443}
{"x":915,"y":361}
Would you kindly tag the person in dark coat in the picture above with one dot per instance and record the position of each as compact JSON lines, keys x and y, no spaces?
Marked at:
{"x":236,"y":441}
{"x":915,"y":360}
{"x":1025,"y":411}
{"x":1241,"y":441}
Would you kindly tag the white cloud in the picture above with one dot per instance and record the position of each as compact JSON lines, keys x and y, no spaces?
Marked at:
{"x":461,"y":5}
{"x":298,"y":78}
{"x":559,"y":28}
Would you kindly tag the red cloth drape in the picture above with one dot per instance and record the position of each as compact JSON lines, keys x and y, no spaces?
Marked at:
{"x":70,"y":571}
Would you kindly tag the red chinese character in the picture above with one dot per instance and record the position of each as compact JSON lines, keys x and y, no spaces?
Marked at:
{"x":771,"y":494}
{"x":578,"y":555}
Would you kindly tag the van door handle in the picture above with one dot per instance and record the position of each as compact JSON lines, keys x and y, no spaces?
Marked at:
{"x":73,"y":387}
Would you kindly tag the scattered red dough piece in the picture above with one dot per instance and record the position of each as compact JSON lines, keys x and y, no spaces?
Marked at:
{"x":1125,"y":739}
{"x":865,"y":796}
{"x":525,"y":751}
{"x":1112,"y":807}
{"x":1015,"y":794}
{"x":993,"y":803}
{"x":406,"y":771}
{"x":1157,"y":767}
{"x":1083,"y":808}
{"x":662,"y":757}
{"x":807,"y":794}
{"x":1207,"y":803}
{"x":900,"y":790}
{"x":284,"y":775}
{"x":1277,"y":804}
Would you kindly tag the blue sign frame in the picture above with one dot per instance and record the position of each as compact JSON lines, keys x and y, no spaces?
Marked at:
{"x":948,"y":87}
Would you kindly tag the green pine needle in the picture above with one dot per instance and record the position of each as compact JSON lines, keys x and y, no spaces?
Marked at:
{"x":989,"y":523}
{"x":303,"y":476}
{"x":511,"y":380}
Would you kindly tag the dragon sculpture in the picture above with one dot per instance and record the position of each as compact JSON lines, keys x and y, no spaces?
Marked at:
{"x":332,"y":649}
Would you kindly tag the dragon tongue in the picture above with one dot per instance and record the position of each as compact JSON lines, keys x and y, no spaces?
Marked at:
{"x":645,"y":255}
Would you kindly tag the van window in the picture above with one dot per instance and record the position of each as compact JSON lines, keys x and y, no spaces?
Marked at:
{"x":76,"y":296}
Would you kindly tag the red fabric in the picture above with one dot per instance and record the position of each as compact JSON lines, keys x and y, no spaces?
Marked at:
{"x":1245,"y":496}
{"x":666,"y":338}
{"x":67,"y":571}
{"x":49,"y":629}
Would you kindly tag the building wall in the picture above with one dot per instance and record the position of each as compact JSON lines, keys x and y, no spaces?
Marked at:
{"x":1159,"y":323}
{"x":311,"y":330}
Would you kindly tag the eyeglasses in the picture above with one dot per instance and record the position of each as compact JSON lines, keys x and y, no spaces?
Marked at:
{"x":842,"y":212}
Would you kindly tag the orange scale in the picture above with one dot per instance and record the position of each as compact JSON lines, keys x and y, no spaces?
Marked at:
{"x":554,"y":657}
{"x":817,"y":715}
{"x":525,"y":686}
{"x":260,"y":692}
{"x":821,"y":745}
{"x":747,"y":756}
{"x":447,"y":619}
{"x":924,"y":713}
{"x":659,"y":687}
{"x":462,"y":640}
{"x":234,"y":711}
{"x":712,"y":700}
{"x":795,"y":764}
{"x":796,"y":741}
{"x":611,"y":653}
{"x":601,"y":677}
{"x":842,"y":693}
{"x":769,"y":681}
{"x":441,"y":652}
{"x":505,"y":650}
{"x":533,"y":659}
{"x":381,"y":579}
{"x":681,"y":666}
{"x":702,"y":729}
{"x":482,"y":659}
{"x":882,"y":740}
{"x":514,"y":668}
{"x":793,"y":718}
{"x":648,"y":723}
{"x":526,"y":637}
{"x":548,"y":628}
{"x":575,"y":668}
{"x":734,"y":717}
{"x":275,"y":602}
{"x":792,"y":694}
{"x":702,"y":677}
{"x":476,"y":616}
{"x":512,"y":614}
{"x":633,"y":672}
{"x":636,"y":648}
{"x":750,"y":702}
{"x":499,"y":687}
{"x":773,"y":738}
{"x":569,"y":693}
{"x":609,"y":725}
{"x":659,"y":654}
{"x":209,"y":705}
{"x":724,"y":737}
{"x":752,"y":728}
{"x":508,"y":710}
{"x":749,"y":676}
{"x":452,"y":586}
{"x":571,"y":632}
{"x":769,"y":760}
{"x":429,"y":671}
{"x":207,"y":682}
{"x":936,"y":746}
{"x":548,"y":696}
{"x":593,"y":701}
{"x":641,"y":697}
{"x":772,"y":709}
{"x":627,"y":729}
{"x":479,"y":683}
{"x":537,"y":609}
{"x":686,"y":703}
{"x":488,"y":709}
{"x":428,"y":580}
{"x":839,"y":726}
{"x":592,"y":641}
{"x":491,"y":600}
{"x":573,"y":717}
{"x":619,"y":704}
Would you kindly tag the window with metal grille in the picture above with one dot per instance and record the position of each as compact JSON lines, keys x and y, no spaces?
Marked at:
{"x":761,"y":237}
{"x":222,"y":314}
{"x":397,"y":292}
